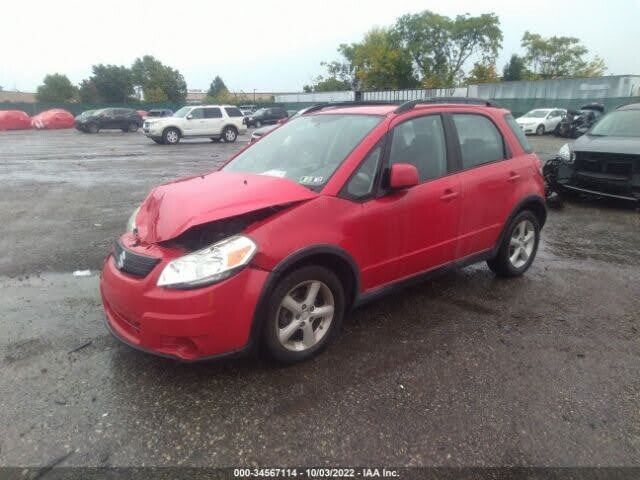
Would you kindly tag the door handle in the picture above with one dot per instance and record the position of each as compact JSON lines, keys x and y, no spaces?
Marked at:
{"x":448,"y":195}
{"x":513,"y":176}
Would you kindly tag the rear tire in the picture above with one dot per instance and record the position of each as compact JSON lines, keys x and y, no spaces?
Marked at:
{"x":229,"y":134}
{"x":540,"y":130}
{"x":291,"y":332}
{"x":133,"y":127}
{"x":92,"y":128}
{"x":171,"y":136}
{"x":519,"y":246}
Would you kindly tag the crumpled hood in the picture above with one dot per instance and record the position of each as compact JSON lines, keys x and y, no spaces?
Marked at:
{"x":173,"y":208}
{"x":621,"y":145}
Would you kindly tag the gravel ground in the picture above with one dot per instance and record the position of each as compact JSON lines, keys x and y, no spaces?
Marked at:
{"x":464,"y":370}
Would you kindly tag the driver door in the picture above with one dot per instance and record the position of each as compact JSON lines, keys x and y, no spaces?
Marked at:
{"x":195,"y":123}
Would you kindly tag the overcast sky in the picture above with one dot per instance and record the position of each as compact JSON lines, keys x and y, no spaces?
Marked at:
{"x":274,"y":45}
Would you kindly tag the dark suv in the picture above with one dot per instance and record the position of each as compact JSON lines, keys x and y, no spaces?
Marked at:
{"x":266,"y":116}
{"x":125,"y":119}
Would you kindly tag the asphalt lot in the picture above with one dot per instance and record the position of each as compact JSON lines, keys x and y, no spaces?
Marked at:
{"x":462,"y":370}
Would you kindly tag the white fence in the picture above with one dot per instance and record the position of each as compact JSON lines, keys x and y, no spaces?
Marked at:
{"x":319,"y":97}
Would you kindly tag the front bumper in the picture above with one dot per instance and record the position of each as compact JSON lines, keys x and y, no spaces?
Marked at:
{"x":528,"y":129}
{"x":184,"y":324}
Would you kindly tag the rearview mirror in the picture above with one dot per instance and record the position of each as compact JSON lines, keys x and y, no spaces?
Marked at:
{"x":403,"y":175}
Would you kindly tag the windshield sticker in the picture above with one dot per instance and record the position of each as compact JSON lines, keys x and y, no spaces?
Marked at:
{"x":309,"y":180}
{"x":275,"y":173}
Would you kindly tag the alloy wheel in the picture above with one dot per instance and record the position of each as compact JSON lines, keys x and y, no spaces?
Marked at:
{"x":521,"y":244}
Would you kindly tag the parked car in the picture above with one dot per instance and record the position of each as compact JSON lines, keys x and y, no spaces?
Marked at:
{"x":258,"y":133}
{"x":576,"y":123}
{"x":160,"y":112}
{"x":248,"y":108}
{"x":213,"y":121}
{"x":606,"y":160}
{"x":266,"y":116}
{"x":325,"y":213}
{"x":541,"y":120}
{"x":92,"y":121}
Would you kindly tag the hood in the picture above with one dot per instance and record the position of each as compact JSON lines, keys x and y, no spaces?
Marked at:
{"x":171,"y":209}
{"x":620,"y":145}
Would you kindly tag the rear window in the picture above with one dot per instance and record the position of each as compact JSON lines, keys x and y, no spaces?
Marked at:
{"x":517,"y":131}
{"x":233,"y":112}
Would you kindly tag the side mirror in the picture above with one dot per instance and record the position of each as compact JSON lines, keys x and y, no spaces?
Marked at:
{"x":403,"y":175}
{"x":189,"y":117}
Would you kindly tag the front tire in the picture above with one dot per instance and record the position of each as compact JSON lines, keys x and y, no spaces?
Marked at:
{"x":519,"y":246}
{"x":305,"y":312}
{"x":171,"y":136}
{"x":229,"y":134}
{"x":540,"y":130}
{"x":93,"y":128}
{"x":133,"y":127}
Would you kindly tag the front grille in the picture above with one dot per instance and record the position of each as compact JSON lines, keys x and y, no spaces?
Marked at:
{"x":133,"y":263}
{"x":615,"y":165}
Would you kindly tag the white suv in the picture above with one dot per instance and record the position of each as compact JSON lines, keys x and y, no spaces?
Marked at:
{"x":213,"y":121}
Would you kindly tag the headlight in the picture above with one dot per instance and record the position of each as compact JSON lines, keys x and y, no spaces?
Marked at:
{"x":209,"y":265}
{"x":131,"y":223}
{"x":566,"y":153}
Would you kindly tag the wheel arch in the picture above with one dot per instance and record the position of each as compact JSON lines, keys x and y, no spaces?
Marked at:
{"x":164,"y":130}
{"x":333,"y":257}
{"x":533,"y":203}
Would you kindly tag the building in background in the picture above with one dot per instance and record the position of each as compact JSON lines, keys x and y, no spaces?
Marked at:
{"x":17,"y":97}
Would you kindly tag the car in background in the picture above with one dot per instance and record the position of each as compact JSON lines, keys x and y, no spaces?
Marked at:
{"x":605,"y":161}
{"x":541,"y":120}
{"x":266,"y":116}
{"x":278,"y":246}
{"x":248,"y":108}
{"x":159,"y":113}
{"x":576,"y":123}
{"x":214,"y":121}
{"x":92,"y":121}
{"x":258,"y":133}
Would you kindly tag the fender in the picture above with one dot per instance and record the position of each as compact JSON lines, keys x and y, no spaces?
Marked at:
{"x":536,"y":199}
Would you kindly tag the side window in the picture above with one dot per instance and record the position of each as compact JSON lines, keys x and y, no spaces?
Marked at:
{"x":517,"y":131}
{"x":233,"y":112}
{"x":362,"y":182}
{"x":421,"y":143}
{"x":212,"y":113}
{"x":480,"y":140}
{"x":197,"y":113}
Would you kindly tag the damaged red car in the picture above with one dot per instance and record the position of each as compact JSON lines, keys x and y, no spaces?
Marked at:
{"x":330,"y":210}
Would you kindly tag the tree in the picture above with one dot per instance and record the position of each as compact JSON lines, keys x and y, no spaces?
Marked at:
{"x":340,"y":76}
{"x":515,"y":69}
{"x":482,"y":73}
{"x":113,"y":83}
{"x":440,"y":46}
{"x":556,"y":57}
{"x":88,"y":92}
{"x":217,"y":88}
{"x":159,"y":82}
{"x":379,"y":61}
{"x":56,"y":88}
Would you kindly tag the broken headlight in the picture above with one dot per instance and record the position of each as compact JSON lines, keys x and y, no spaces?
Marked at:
{"x":209,"y":265}
{"x":566,"y":153}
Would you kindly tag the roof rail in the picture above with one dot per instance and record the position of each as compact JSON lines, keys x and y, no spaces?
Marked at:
{"x":322,"y":106}
{"x":406,"y":106}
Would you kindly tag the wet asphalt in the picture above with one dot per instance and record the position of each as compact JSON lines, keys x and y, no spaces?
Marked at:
{"x":464,"y":370}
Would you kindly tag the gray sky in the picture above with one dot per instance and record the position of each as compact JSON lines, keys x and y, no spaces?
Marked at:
{"x":274,"y":45}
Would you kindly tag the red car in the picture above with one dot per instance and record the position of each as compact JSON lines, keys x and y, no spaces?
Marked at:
{"x":326,"y":212}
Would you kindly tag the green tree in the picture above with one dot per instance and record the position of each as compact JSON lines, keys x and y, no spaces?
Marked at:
{"x":159,"y":82}
{"x":557,"y":57}
{"x":440,"y":46}
{"x":340,"y":76}
{"x":56,"y":88}
{"x":113,"y":83}
{"x":88,"y":92}
{"x":217,"y":89}
{"x":483,"y":73}
{"x":515,"y":69}
{"x":379,"y":61}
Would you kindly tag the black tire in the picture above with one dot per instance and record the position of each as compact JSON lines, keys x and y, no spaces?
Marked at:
{"x":133,"y":127}
{"x":540,"y":130}
{"x":229,"y":134}
{"x":501,"y":265}
{"x":270,"y":342}
{"x":93,"y":128}
{"x":171,"y":136}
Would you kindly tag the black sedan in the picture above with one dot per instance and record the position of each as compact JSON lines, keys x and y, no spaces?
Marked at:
{"x":606,"y":160}
{"x":125,"y":119}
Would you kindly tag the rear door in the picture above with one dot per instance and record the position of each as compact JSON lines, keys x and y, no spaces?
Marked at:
{"x":409,"y":231}
{"x":213,"y":121}
{"x":489,"y":177}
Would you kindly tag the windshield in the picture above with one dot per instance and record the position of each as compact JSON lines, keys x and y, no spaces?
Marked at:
{"x":182,"y":112}
{"x":306,"y":150}
{"x":536,"y":114}
{"x":260,"y":111}
{"x":624,"y":123}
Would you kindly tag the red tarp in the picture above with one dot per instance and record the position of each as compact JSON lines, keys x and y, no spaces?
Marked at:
{"x":14,"y":120}
{"x":55,"y":118}
{"x":143,"y":114}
